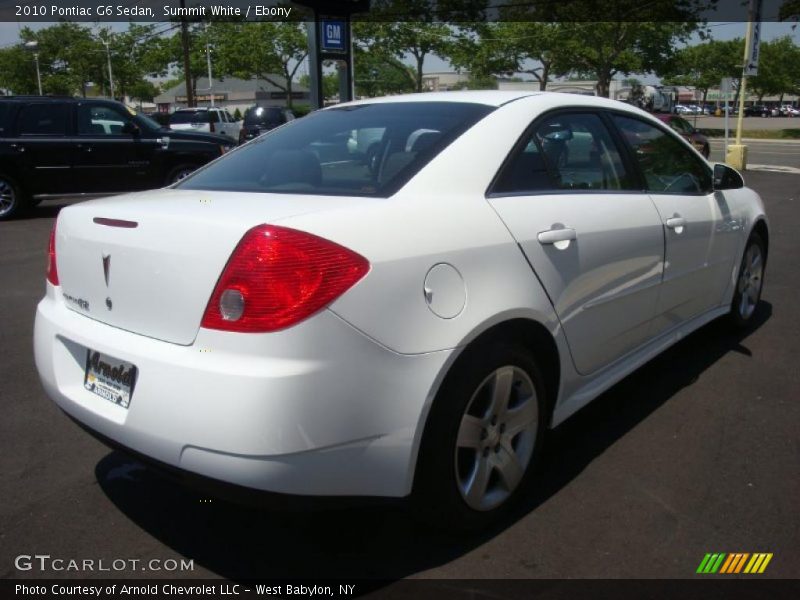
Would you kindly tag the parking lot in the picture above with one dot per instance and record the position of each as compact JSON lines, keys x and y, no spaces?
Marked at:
{"x":696,"y":452}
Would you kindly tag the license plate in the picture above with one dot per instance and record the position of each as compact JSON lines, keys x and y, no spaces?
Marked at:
{"x":109,"y":378}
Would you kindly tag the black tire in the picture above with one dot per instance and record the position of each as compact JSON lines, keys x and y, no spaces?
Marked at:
{"x":706,"y":151}
{"x":180,"y":172}
{"x":745,"y":296}
{"x":13,"y":200}
{"x":444,"y":470}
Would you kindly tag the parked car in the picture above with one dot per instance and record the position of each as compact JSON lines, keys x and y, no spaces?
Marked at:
{"x":790,"y":111}
{"x":688,"y":132}
{"x":63,"y":145}
{"x":210,"y":119}
{"x":404,"y":323}
{"x":757,"y":110}
{"x":260,"y":119}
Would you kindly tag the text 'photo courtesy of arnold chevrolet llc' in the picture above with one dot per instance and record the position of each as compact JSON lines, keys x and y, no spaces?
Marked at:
{"x":399,"y":300}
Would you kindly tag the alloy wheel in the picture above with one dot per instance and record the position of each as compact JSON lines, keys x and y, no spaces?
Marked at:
{"x":8,"y":197}
{"x":496,"y":438}
{"x":750,"y":281}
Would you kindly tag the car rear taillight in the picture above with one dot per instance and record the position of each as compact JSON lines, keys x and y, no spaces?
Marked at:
{"x":52,"y":269}
{"x":276,"y":277}
{"x":211,"y":127}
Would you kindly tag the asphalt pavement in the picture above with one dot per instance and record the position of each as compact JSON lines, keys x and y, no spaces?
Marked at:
{"x":696,"y":452}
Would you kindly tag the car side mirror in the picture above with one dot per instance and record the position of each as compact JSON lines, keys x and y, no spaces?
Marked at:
{"x":130,"y":129}
{"x":727,"y":178}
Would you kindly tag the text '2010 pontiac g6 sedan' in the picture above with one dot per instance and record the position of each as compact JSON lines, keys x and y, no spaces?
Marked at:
{"x":394,"y":297}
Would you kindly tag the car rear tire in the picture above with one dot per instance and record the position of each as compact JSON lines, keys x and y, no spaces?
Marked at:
{"x":180,"y":172}
{"x":12,"y":200}
{"x":482,"y":440}
{"x":749,"y":283}
{"x":706,"y":151}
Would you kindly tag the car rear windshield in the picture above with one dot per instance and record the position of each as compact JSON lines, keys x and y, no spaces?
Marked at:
{"x":189,"y":116}
{"x":362,"y":150}
{"x":262,"y":116}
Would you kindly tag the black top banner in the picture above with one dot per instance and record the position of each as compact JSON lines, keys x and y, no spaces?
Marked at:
{"x":447,"y":11}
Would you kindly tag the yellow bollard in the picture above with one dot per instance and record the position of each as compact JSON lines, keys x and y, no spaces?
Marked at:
{"x":737,"y":157}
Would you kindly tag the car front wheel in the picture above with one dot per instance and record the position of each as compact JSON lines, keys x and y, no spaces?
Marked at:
{"x":750,"y":282}
{"x":483,"y":437}
{"x":179,"y":173}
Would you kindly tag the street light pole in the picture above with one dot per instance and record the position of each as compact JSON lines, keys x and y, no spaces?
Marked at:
{"x":110,"y":74}
{"x":34,"y":47}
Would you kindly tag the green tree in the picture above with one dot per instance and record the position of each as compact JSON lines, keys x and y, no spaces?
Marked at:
{"x":261,"y":49}
{"x":419,"y":35}
{"x":509,"y":47}
{"x":778,"y":69}
{"x":703,"y":66}
{"x":380,"y":75}
{"x":633,"y":36}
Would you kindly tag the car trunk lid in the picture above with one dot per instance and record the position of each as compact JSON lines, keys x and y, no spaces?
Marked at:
{"x":148,"y":263}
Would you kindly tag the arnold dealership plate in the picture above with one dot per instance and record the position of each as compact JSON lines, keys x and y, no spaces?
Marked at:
{"x":109,"y":378}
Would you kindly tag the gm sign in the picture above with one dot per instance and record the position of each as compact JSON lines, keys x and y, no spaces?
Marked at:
{"x":334,"y":36}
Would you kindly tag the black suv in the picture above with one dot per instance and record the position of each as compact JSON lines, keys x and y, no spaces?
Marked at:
{"x":260,"y":119}
{"x":62,"y":145}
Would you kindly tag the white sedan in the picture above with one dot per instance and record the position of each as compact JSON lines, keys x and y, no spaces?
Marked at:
{"x":314,"y":315}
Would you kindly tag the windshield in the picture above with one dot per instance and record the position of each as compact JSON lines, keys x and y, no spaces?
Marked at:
{"x":362,"y":150}
{"x":189,"y":116}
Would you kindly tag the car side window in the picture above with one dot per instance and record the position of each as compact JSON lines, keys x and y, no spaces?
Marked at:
{"x":569,"y":151}
{"x":98,"y":120}
{"x":44,"y":119}
{"x":681,"y":126}
{"x":668,"y":166}
{"x":5,"y":110}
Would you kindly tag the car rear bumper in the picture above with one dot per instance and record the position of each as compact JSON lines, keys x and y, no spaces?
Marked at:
{"x":319,"y":409}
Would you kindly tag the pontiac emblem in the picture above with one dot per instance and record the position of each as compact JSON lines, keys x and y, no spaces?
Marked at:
{"x":106,"y":267}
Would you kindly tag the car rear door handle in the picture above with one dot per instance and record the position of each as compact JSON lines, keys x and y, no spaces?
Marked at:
{"x":676,"y":222}
{"x":17,"y":147}
{"x":552,"y":236}
{"x":84,"y":147}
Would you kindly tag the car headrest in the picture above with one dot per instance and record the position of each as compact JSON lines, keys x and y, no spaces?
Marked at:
{"x":293,"y":167}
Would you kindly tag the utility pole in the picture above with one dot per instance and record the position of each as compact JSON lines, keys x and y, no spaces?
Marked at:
{"x":737,"y":153}
{"x":208,"y":60}
{"x":187,"y":71}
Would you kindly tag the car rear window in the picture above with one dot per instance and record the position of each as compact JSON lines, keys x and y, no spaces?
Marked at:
{"x":189,"y":116}
{"x":260,"y":115}
{"x":362,"y":150}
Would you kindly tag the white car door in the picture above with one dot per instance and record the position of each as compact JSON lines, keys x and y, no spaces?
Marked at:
{"x":593,"y":239}
{"x":701,"y":235}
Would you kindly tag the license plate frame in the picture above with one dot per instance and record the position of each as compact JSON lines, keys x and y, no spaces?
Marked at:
{"x":110,"y":378}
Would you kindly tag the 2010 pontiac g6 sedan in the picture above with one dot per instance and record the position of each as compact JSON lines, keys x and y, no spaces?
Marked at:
{"x":394,"y":297}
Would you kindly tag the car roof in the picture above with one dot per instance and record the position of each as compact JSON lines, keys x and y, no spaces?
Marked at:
{"x":498,"y":98}
{"x":197,"y":108}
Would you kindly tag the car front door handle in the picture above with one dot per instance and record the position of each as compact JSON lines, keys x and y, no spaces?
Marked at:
{"x":676,"y":222}
{"x":553,"y":236}
{"x":18,"y":147}
{"x":84,"y":147}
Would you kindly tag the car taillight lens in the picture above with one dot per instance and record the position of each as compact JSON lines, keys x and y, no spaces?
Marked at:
{"x":52,"y":269}
{"x":211,"y":127}
{"x":276,"y":277}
